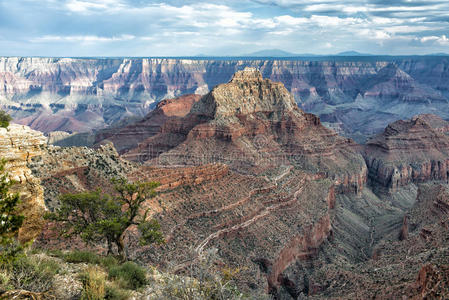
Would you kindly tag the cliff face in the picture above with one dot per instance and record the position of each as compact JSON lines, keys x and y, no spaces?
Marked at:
{"x":81,"y":94}
{"x":415,"y":150}
{"x":253,"y":125}
{"x":18,"y":145}
{"x":128,"y":137}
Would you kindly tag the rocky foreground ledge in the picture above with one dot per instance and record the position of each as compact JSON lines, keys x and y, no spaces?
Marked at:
{"x":18,"y":145}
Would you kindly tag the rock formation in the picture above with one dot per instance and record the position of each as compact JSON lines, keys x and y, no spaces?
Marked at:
{"x":18,"y":145}
{"x":77,"y":169}
{"x":409,"y":151}
{"x":253,"y":124}
{"x":358,"y":97}
{"x":130,"y":136}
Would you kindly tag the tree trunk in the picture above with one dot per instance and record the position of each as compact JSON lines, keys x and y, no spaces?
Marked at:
{"x":121,"y":248}
{"x":110,"y":248}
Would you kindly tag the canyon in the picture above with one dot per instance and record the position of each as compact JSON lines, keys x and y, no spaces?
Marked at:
{"x":301,"y":210}
{"x":356,"y":96}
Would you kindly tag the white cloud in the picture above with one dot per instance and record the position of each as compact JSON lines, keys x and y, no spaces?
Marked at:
{"x":326,"y":21}
{"x":90,"y":6}
{"x":82,"y":38}
{"x":221,"y":27}
{"x":287,"y":20}
{"x":442,"y":40}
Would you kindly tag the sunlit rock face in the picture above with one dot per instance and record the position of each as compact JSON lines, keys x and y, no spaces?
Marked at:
{"x":253,"y":124}
{"x":18,"y":145}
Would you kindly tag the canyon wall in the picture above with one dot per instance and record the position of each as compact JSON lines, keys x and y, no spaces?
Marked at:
{"x":355,"y":96}
{"x":409,"y":151}
{"x":18,"y":145}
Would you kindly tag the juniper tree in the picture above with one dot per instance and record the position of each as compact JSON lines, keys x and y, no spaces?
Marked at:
{"x":10,"y":218}
{"x":98,"y":217}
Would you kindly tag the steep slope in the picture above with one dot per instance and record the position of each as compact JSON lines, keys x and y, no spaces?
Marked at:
{"x":409,"y":151}
{"x":253,"y":124}
{"x":413,"y":265}
{"x":18,"y":145}
{"x":130,"y":136}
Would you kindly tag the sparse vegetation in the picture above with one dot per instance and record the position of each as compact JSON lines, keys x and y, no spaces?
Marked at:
{"x":129,"y":275}
{"x":78,"y":256}
{"x":4,"y":119}
{"x":10,"y":220}
{"x":29,"y":277}
{"x":94,"y":283}
{"x":98,"y":217}
{"x":115,"y":293}
{"x":33,"y":273}
{"x":203,"y":281}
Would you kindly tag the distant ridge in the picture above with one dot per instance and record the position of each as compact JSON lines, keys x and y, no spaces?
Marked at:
{"x":271,"y":53}
{"x":282,"y":53}
{"x":353,"y":53}
{"x":438,"y":54}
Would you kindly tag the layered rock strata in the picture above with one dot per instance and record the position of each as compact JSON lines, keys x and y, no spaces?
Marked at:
{"x":357,"y":96}
{"x":130,"y":136}
{"x":415,"y":150}
{"x":18,"y":145}
{"x":252,"y":124}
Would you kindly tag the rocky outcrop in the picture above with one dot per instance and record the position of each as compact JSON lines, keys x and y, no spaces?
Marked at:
{"x":409,"y":151}
{"x":130,"y":136}
{"x":18,"y":145}
{"x":358,"y":97}
{"x":77,"y":169}
{"x":252,"y":124}
{"x":182,"y":176}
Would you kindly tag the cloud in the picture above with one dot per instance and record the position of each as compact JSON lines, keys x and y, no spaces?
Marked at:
{"x":79,"y":38}
{"x":188,"y":27}
{"x":91,"y":6}
{"x":441,"y":40}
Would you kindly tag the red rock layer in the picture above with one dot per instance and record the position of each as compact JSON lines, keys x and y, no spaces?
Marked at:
{"x":130,"y":136}
{"x":256,"y":222}
{"x":409,"y":151}
{"x":253,"y":125}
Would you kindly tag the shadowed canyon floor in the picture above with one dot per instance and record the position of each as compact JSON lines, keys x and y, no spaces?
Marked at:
{"x":304,"y":212}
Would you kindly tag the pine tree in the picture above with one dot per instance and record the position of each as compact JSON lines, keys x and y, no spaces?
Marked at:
{"x":98,"y":217}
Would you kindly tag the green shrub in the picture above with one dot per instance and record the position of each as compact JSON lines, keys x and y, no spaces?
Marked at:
{"x":4,"y":119}
{"x":4,"y":281}
{"x":108,"y":262}
{"x":115,"y":293}
{"x":55,"y":253}
{"x":94,"y":280}
{"x":34,"y":274}
{"x":78,"y":256}
{"x":129,"y":275}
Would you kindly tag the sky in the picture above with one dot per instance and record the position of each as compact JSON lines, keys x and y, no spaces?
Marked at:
{"x":221,"y":28}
